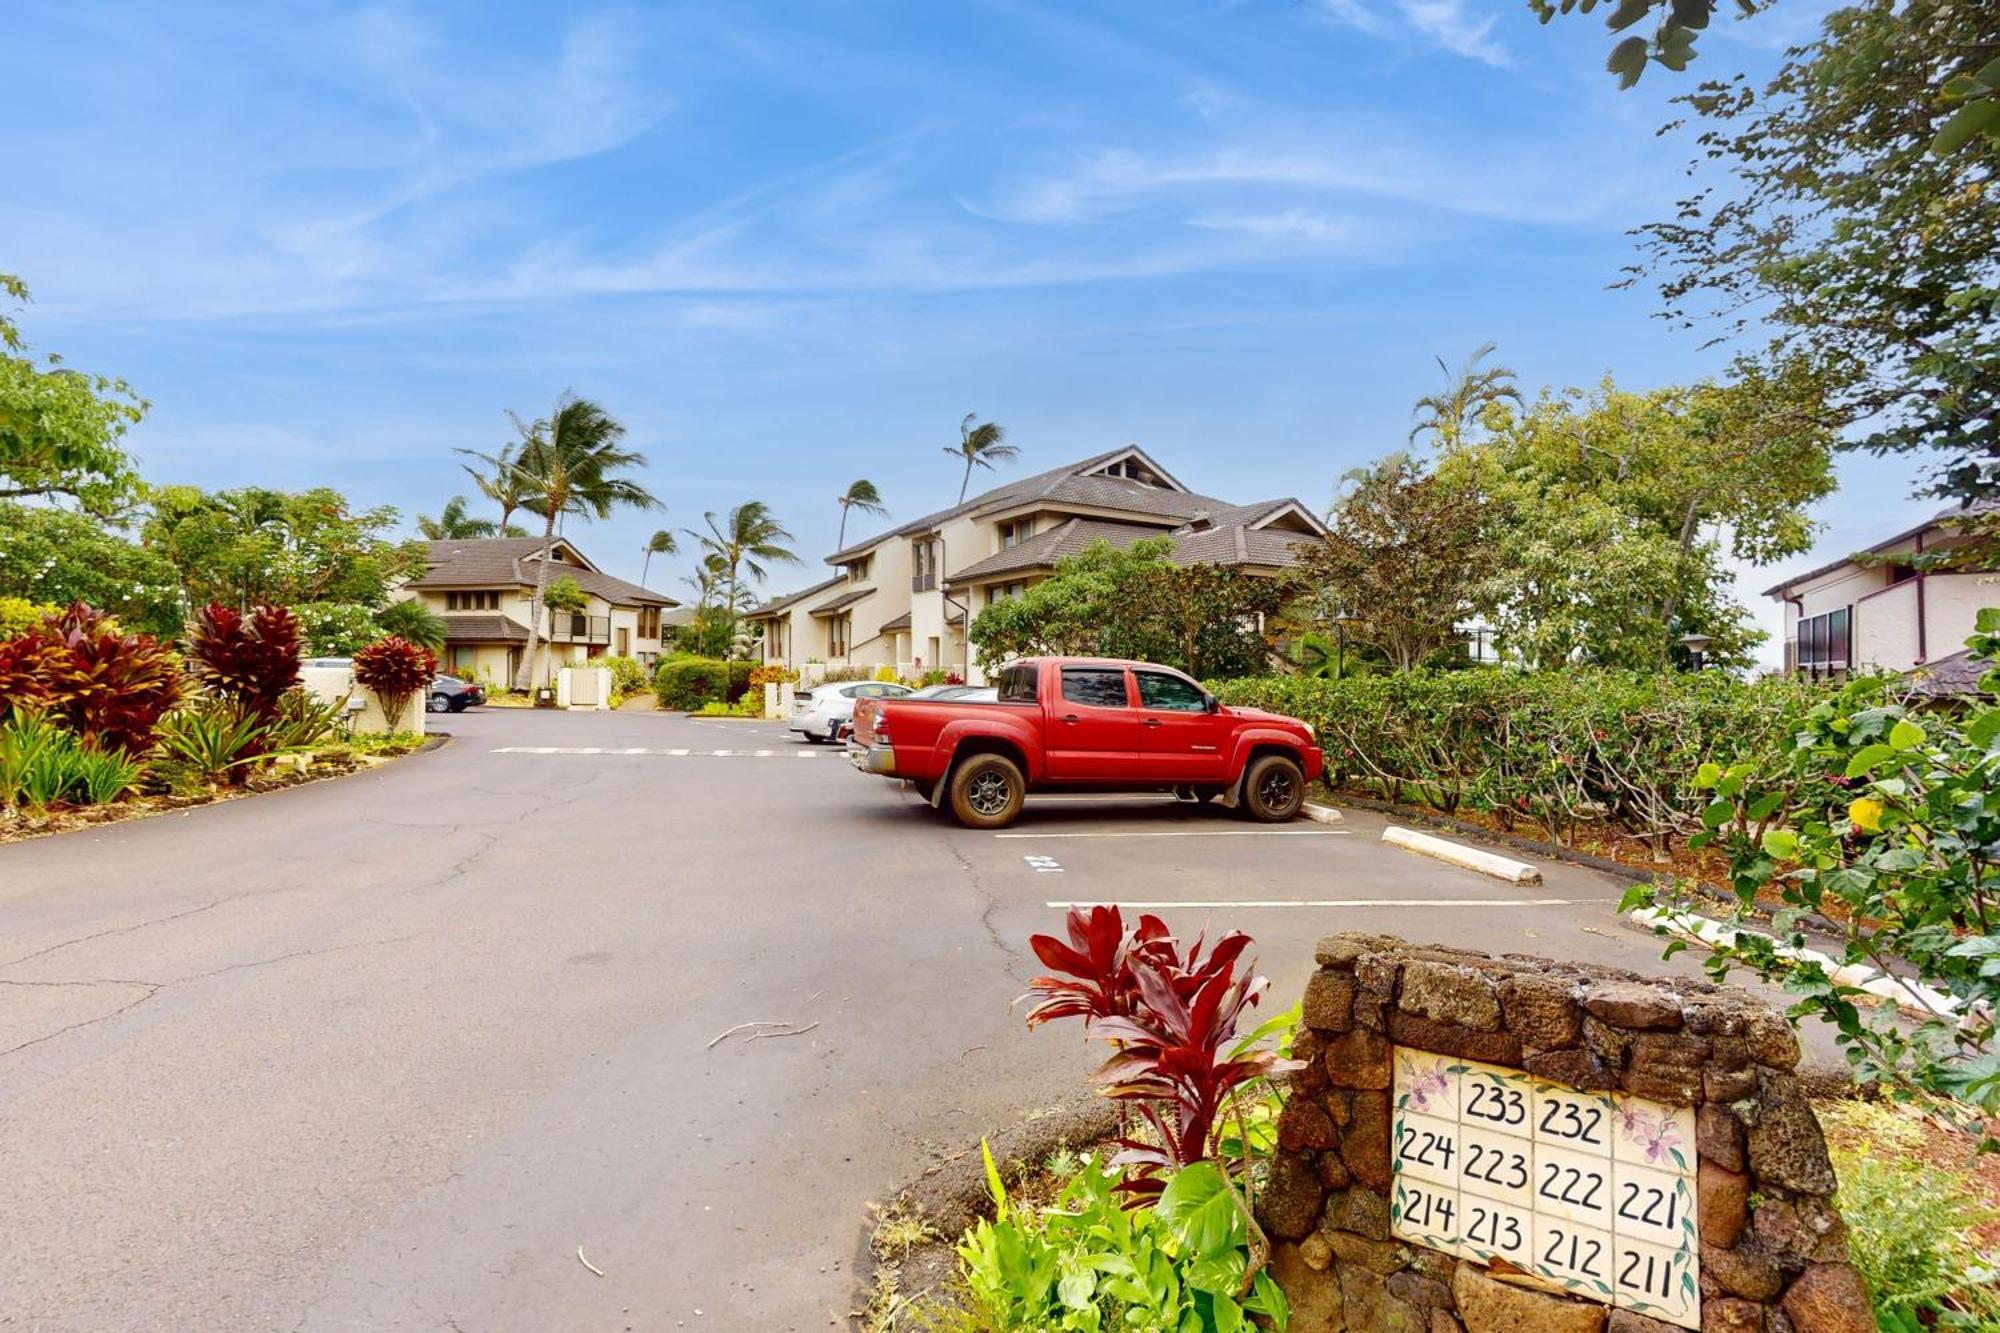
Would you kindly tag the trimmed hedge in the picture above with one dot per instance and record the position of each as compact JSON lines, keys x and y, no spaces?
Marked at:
{"x":686,"y":683}
{"x":1570,"y":749}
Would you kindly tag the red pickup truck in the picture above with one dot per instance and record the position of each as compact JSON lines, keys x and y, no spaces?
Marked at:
{"x":1084,"y":723}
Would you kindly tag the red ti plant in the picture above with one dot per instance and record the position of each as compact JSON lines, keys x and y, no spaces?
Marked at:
{"x":1173,"y":1019}
{"x":108,"y":688}
{"x":249,"y":661}
{"x":395,"y":669}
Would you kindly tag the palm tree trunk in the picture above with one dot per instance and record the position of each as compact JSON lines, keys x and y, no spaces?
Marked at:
{"x":525,"y":680}
{"x":646,"y":567}
{"x":840,"y":542}
{"x":967,"y":481}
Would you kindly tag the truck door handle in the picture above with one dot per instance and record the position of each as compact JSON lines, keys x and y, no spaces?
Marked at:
{"x":1152,"y":722}
{"x":1071,"y":718}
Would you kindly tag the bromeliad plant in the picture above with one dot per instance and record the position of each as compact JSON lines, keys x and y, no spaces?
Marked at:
{"x":1173,"y":1020}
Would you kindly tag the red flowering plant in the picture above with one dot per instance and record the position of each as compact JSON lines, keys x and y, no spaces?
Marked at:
{"x":250,"y":661}
{"x":105,"y":687}
{"x":1172,"y":1019}
{"x":395,"y":669}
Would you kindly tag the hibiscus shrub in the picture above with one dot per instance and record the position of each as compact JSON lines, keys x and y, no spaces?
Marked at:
{"x":1576,"y":750}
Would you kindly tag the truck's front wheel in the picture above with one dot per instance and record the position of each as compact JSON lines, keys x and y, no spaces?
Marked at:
{"x":1273,"y":789}
{"x":986,"y":791}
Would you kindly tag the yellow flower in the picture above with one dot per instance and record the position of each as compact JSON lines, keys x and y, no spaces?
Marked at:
{"x":1866,"y":814}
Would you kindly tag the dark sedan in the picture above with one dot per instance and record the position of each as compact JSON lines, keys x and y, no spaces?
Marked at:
{"x":449,"y":694}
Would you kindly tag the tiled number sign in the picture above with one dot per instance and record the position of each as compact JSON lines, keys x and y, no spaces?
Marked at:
{"x":1593,"y":1192}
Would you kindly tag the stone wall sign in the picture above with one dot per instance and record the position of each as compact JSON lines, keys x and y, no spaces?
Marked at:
{"x":1592,"y":1191}
{"x":1515,"y":1145}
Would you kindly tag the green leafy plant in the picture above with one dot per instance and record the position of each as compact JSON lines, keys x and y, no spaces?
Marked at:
{"x":416,"y":622}
{"x":1091,"y":1263}
{"x":628,"y":675}
{"x":1912,"y":1225}
{"x":33,"y":771}
{"x":1903,"y":863}
{"x":304,"y":719}
{"x":687,"y":683}
{"x":396,"y":670}
{"x":214,"y":740}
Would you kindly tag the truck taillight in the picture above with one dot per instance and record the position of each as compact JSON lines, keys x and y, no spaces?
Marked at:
{"x":881,"y":731}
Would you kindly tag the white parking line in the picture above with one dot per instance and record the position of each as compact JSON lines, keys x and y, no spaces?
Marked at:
{"x":1343,"y":902}
{"x":1195,"y":833}
{"x":678,"y":753}
{"x":1044,"y":865}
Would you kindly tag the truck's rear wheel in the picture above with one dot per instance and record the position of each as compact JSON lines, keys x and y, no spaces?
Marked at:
{"x":1273,"y":789}
{"x":986,"y":791}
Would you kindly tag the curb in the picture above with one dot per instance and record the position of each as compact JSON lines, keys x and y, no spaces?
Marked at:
{"x":1466,"y":858}
{"x":1321,"y":814}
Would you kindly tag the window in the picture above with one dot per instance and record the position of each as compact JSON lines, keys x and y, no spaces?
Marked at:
{"x":1000,"y":592}
{"x":924,"y":566}
{"x":859,"y":570}
{"x":1019,"y":683}
{"x":1822,"y":641}
{"x":836,"y":635}
{"x":1170,"y":694}
{"x":649,"y":622}
{"x":1016,"y":532}
{"x":1094,"y":687}
{"x":472,"y":601}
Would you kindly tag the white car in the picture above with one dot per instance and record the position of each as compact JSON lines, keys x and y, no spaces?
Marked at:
{"x":819,"y":713}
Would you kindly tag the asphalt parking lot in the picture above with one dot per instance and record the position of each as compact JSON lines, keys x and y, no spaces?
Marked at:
{"x":386,"y":1052}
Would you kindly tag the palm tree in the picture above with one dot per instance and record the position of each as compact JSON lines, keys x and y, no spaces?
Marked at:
{"x":746,"y":541}
{"x":861,"y":495}
{"x":660,"y":543}
{"x":1466,"y":395}
{"x":454,"y":524}
{"x":414,"y":622}
{"x":982,"y":445}
{"x":503,"y":485}
{"x":569,"y":463}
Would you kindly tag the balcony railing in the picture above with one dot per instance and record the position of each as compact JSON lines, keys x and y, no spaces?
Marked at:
{"x":575,"y":627}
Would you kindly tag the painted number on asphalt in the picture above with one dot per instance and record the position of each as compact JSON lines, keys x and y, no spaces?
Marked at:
{"x":1043,"y":865}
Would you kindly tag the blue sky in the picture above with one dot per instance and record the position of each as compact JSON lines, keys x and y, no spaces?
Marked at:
{"x":790,"y":245}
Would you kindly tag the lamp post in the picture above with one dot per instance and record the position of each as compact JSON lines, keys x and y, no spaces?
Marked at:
{"x":1697,"y":647}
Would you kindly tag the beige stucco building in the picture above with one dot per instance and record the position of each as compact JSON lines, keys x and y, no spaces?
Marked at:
{"x":1868,"y":611}
{"x":485,"y":590}
{"x":902,"y":599}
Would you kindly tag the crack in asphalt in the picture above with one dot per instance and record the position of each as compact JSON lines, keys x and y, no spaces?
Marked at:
{"x":115,"y":930}
{"x":153,"y":988}
{"x":993,"y":935}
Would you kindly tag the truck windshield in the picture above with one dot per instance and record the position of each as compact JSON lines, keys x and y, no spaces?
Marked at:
{"x":1018,"y":684}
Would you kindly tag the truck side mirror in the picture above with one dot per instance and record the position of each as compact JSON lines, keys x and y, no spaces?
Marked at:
{"x":1211,"y":704}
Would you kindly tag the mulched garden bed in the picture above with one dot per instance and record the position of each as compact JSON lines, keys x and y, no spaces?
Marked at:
{"x":19,"y":825}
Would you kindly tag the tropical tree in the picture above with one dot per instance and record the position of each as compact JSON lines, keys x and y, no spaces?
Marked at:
{"x":503,"y":484}
{"x":1399,"y":565}
{"x":413,"y":622}
{"x":56,"y":557}
{"x":982,"y":445}
{"x":454,"y":523}
{"x":1833,"y":229}
{"x":570,"y":462}
{"x":747,"y":540}
{"x":662,"y":542}
{"x":861,"y":495}
{"x":1467,"y":395}
{"x":60,"y":429}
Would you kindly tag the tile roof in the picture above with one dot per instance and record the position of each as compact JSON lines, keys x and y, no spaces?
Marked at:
{"x":777,"y":604}
{"x":840,"y":602}
{"x":1012,"y":492}
{"x":1230,"y":543}
{"x":483,"y":629}
{"x":485,"y":561}
{"x":1949,"y":514}
{"x":899,"y":623}
{"x":1957,"y":674}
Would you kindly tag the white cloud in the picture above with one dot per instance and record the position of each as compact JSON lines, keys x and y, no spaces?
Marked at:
{"x":1287,"y":225}
{"x":1444,"y":24}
